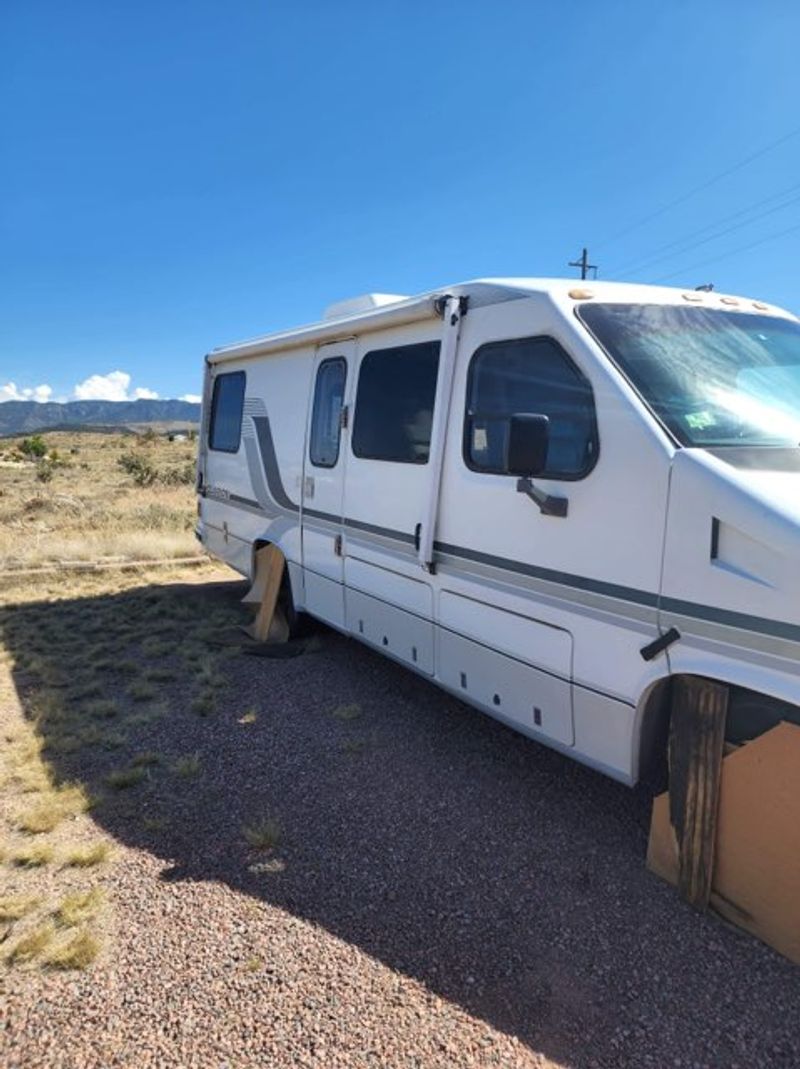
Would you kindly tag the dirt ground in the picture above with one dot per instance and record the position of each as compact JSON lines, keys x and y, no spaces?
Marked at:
{"x":322,"y":860}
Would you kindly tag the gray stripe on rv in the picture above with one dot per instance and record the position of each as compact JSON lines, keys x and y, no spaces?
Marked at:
{"x":755,"y":632}
{"x":690,"y":612}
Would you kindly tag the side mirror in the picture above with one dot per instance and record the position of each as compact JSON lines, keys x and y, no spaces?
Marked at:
{"x":527,"y":444}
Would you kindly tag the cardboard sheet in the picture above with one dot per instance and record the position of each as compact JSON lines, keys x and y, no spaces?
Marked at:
{"x":756,"y":882}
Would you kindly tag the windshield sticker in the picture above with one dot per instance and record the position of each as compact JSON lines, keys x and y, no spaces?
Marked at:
{"x":699,"y":421}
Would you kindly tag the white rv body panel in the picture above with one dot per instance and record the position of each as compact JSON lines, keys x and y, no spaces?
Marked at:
{"x":444,"y":565}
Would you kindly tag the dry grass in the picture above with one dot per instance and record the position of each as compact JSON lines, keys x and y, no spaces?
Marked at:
{"x":78,"y":951}
{"x":33,"y":855}
{"x":51,"y":807}
{"x":91,"y":509}
{"x":32,"y":943}
{"x":87,"y":856}
{"x":80,"y":907}
{"x":14,"y":907}
{"x":84,"y":655}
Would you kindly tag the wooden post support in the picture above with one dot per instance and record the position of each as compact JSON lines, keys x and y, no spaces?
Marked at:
{"x":697,"y":734}
{"x":269,"y":572}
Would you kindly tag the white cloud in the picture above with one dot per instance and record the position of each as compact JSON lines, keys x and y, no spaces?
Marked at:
{"x":110,"y":387}
{"x":115,"y":386}
{"x":10,"y":392}
{"x":194,"y":398}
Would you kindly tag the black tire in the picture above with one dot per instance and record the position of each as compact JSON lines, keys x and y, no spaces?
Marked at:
{"x":300,"y":623}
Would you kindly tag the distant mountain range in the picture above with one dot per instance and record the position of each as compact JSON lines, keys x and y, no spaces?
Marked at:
{"x":30,"y":417}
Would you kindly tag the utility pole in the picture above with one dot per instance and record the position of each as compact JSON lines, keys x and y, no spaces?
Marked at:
{"x":584,"y":265}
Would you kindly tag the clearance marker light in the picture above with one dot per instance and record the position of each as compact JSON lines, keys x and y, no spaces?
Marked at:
{"x":693,"y":296}
{"x":729,"y":300}
{"x":581,"y":295}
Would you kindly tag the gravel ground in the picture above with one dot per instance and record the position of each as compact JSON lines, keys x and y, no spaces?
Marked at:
{"x":444,"y":893}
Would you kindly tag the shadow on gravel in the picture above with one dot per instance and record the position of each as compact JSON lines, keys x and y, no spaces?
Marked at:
{"x":502,"y":876}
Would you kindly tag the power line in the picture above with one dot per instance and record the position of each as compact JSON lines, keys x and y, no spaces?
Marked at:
{"x":655,"y":258}
{"x":732,"y":252}
{"x":703,"y":186}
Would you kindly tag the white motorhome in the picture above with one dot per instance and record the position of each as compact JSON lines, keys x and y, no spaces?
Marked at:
{"x":549,"y":498}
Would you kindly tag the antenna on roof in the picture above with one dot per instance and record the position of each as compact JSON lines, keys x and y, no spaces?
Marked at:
{"x":707,"y":287}
{"x":584,"y":265}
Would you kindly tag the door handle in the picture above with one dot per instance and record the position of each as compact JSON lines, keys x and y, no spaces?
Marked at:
{"x":417,"y":536}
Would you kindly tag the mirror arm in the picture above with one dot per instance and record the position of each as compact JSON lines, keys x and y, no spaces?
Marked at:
{"x":548,"y":505}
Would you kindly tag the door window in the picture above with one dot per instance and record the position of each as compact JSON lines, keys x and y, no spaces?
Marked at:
{"x":394,"y":403}
{"x":529,"y":375}
{"x":227,"y":403}
{"x":326,"y":415}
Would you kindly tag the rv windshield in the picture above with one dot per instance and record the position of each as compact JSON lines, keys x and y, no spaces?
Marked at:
{"x":713,"y":377}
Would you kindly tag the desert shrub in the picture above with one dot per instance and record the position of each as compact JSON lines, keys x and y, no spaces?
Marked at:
{"x":44,"y":470}
{"x":178,"y":476}
{"x":141,"y":470}
{"x":34,"y":446}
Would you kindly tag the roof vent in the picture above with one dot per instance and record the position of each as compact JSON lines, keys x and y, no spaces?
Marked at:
{"x":367,"y":302}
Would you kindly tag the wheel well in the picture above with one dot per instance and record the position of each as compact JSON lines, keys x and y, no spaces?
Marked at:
{"x":750,"y":713}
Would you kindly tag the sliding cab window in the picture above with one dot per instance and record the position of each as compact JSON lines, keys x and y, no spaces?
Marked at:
{"x":394,"y":403}
{"x":227,"y":402}
{"x":326,"y":415}
{"x":529,"y":375}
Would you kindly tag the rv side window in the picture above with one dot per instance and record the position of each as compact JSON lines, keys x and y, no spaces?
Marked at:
{"x":529,"y":375}
{"x":323,"y":449}
{"x":227,"y":402}
{"x":394,"y":403}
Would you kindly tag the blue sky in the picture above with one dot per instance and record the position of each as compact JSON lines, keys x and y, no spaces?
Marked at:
{"x":181,"y":174}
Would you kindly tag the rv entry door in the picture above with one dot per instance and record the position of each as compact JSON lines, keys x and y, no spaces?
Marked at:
{"x":323,"y":483}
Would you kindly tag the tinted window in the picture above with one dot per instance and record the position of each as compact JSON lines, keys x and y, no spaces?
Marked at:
{"x":532,"y":375}
{"x":326,"y":415}
{"x":226,"y":412}
{"x":394,"y":403}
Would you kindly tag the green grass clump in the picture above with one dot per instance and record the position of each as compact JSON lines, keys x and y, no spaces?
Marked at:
{"x":353,"y":746}
{"x":154,"y":646}
{"x":123,"y":778}
{"x":141,"y":691}
{"x":102,"y":709}
{"x":204,"y":704}
{"x":347,"y":712}
{"x":264,"y":834}
{"x":188,"y":767}
{"x":155,"y":823}
{"x":161,"y":675}
{"x":146,"y":759}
